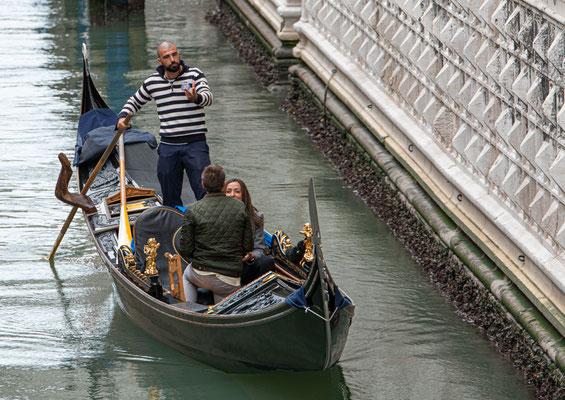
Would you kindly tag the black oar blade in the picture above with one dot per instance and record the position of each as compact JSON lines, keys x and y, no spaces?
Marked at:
{"x":317,"y":237}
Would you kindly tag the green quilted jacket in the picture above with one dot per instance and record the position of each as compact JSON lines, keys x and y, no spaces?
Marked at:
{"x":216,"y":234}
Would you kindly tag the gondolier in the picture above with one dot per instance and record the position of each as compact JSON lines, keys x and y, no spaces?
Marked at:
{"x":181,"y":92}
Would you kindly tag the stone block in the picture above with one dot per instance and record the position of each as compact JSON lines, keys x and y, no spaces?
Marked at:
{"x":521,"y":85}
{"x":459,"y":40}
{"x":549,"y":106}
{"x":383,"y":22}
{"x":561,"y":235}
{"x":556,"y":52}
{"x":561,"y":117}
{"x":541,"y":41}
{"x":467,"y":91}
{"x":391,"y":29}
{"x":381,"y":60}
{"x":525,"y":193}
{"x":512,"y":24}
{"x":407,"y":43}
{"x":483,"y":55}
{"x":557,"y":170}
{"x":474,"y":148}
{"x":462,"y":138}
{"x":486,"y":158}
{"x":487,"y":9}
{"x":516,"y":134}
{"x":472,"y":47}
{"x":444,"y":75}
{"x":439,"y":23}
{"x":500,"y":16}
{"x":445,"y":125}
{"x":504,"y":122}
{"x":545,"y":156}
{"x":491,"y":112}
{"x":396,"y":77}
{"x":369,"y":13}
{"x":417,"y":8}
{"x":448,"y":31}
{"x":413,"y":92}
{"x":364,"y":49}
{"x":495,"y":64}
{"x":430,"y":110}
{"x":404,"y":84}
{"x":509,"y":72}
{"x":399,"y":36}
{"x":416,"y":50}
{"x":428,"y":17}
{"x":511,"y":181}
{"x":422,"y":100}
{"x":534,"y":96}
{"x":455,"y":84}
{"x":553,"y":220}
{"x":539,"y":205}
{"x":530,"y":144}
{"x":478,"y":102}
{"x":526,"y":33}
{"x":499,"y":169}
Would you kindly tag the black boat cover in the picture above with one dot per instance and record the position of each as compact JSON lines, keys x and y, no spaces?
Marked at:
{"x":161,"y":223}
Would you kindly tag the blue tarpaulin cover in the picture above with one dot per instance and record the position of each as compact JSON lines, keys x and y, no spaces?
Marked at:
{"x":297,"y":299}
{"x":96,"y":129}
{"x":340,"y":300}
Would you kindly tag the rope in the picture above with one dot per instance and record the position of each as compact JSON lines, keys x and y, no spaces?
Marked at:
{"x":318,"y":315}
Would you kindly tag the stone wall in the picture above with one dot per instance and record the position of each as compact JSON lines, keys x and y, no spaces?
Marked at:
{"x":469,"y":96}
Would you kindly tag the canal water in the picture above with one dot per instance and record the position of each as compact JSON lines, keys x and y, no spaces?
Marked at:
{"x":62,"y":333}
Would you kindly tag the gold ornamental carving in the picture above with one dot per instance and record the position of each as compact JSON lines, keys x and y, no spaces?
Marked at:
{"x":308,"y":245}
{"x":151,"y":250}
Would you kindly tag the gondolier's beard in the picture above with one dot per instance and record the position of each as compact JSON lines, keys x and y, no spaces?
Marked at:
{"x":173,"y":67}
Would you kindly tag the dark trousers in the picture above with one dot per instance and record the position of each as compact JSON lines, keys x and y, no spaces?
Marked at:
{"x":173,"y":161}
{"x":258,"y":267}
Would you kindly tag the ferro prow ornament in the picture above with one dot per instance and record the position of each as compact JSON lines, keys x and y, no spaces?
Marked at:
{"x":155,"y":290}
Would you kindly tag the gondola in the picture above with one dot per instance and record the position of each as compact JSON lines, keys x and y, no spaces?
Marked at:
{"x":294,"y":318}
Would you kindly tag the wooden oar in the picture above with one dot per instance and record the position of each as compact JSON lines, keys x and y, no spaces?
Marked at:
{"x":124,"y":233}
{"x":87,"y":185}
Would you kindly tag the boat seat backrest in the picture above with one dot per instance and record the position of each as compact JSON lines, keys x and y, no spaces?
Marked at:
{"x":164,"y":224}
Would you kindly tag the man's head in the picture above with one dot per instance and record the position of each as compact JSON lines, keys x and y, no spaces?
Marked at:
{"x":168,"y":56}
{"x":213,"y":178}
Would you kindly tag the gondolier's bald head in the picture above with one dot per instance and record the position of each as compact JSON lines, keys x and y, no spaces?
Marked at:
{"x":166,"y":45}
{"x":213,"y":178}
{"x":169,"y":58}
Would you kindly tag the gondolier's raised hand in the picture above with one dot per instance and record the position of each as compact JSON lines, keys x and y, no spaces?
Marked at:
{"x":122,"y":125}
{"x":191,"y":94}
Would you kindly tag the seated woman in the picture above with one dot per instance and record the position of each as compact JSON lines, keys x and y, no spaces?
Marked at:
{"x":256,"y":262}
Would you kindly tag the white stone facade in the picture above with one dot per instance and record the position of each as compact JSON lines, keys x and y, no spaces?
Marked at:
{"x":280,"y":15}
{"x":470,"y":95}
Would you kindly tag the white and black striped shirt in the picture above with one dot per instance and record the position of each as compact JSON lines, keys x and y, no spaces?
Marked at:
{"x":181,"y":120}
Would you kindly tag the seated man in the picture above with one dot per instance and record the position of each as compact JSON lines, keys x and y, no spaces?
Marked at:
{"x":216,"y":234}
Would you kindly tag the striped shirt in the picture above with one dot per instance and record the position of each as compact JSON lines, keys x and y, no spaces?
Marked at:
{"x":181,"y":120}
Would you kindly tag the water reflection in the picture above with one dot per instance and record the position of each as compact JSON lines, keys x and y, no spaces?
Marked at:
{"x":167,"y":374}
{"x":62,"y":334}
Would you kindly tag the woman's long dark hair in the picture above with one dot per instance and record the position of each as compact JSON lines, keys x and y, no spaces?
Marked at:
{"x":246,"y":198}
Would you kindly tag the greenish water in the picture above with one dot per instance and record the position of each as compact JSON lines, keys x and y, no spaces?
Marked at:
{"x":62,"y":333}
